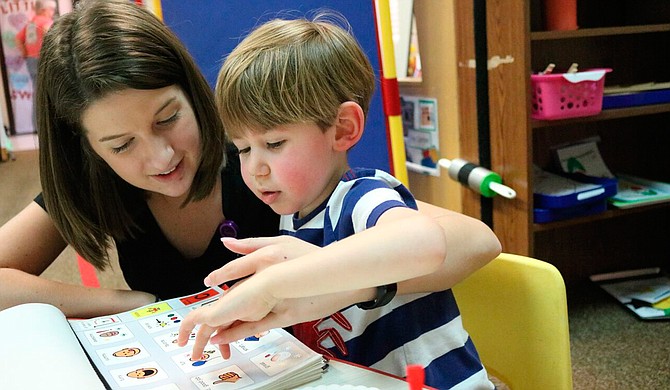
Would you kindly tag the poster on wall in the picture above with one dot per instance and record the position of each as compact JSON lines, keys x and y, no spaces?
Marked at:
{"x":420,"y":128}
{"x":14,"y":14}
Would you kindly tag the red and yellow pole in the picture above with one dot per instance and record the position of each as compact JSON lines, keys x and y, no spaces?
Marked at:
{"x":390,"y":92}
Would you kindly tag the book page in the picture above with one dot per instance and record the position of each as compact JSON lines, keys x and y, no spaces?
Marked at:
{"x":41,"y":352}
{"x":137,"y":349}
{"x":583,"y":158}
{"x":547,"y":183}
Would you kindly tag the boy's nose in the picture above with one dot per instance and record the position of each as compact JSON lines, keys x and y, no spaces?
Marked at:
{"x":258,"y":167}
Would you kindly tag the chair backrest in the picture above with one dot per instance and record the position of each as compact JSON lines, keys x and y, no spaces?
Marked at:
{"x":515,"y":309}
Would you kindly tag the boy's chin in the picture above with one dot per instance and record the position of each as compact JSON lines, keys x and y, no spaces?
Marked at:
{"x":282,"y":210}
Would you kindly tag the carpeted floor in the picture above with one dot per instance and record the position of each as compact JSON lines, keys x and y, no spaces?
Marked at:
{"x":19,"y":182}
{"x":611,"y":349}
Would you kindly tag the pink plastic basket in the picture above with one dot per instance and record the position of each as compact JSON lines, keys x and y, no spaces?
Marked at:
{"x":567,"y":95}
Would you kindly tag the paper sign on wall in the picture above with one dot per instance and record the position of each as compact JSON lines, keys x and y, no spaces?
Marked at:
{"x":420,"y":127}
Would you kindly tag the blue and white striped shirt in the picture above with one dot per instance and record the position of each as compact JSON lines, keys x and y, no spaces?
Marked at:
{"x":421,"y":329}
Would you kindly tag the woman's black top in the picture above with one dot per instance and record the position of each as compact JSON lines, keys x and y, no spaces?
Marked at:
{"x":150,"y":263}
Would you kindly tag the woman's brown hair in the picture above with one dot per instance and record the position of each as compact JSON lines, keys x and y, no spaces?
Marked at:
{"x":101,"y":47}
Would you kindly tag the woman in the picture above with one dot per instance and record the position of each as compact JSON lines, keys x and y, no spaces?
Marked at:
{"x":132,"y":155}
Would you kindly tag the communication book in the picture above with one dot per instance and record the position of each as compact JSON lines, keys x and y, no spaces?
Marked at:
{"x":137,"y":350}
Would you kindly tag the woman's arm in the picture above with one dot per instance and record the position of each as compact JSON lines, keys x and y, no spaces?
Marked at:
{"x":29,"y":244}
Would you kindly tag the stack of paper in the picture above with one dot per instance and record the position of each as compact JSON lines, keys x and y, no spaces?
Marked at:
{"x":645,"y":292}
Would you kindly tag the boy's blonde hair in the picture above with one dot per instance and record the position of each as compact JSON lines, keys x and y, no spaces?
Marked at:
{"x":292,"y":71}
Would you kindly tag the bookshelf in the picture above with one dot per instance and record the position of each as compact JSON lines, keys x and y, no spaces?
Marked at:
{"x":629,"y":37}
{"x":632,"y":139}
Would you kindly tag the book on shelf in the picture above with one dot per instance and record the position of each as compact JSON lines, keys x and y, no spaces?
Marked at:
{"x":137,"y":349}
{"x":645,"y":292}
{"x":582,"y":157}
{"x":635,"y":191}
{"x":631,"y":191}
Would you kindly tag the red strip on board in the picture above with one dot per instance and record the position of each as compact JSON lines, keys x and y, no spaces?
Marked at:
{"x":88,"y":276}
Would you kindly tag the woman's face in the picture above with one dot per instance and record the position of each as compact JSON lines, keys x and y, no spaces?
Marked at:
{"x":150,"y":138}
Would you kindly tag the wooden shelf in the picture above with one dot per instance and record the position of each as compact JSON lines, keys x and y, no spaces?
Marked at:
{"x":610,"y":213}
{"x":613,"y":113}
{"x":631,"y":139}
{"x":598,"y":32}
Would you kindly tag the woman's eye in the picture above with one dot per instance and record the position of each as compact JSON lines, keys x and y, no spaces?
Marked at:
{"x":275,"y":145}
{"x":169,"y":120}
{"x":243,"y":150}
{"x":121,"y":148}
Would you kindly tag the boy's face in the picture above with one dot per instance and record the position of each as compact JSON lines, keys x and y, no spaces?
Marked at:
{"x":292,"y":168}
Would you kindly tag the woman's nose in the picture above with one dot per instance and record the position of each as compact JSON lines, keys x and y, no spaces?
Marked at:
{"x":161,"y":153}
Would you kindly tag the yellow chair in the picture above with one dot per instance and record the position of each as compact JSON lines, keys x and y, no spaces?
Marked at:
{"x":515,"y":310}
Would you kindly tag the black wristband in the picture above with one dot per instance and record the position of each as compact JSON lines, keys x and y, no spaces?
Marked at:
{"x":384,"y":295}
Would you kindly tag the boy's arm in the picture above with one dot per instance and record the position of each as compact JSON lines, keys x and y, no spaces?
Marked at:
{"x":442,"y":248}
{"x":471,"y":244}
{"x":403,"y":245}
{"x":347,"y":271}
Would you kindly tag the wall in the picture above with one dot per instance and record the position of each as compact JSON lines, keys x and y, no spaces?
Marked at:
{"x":437,"y":44}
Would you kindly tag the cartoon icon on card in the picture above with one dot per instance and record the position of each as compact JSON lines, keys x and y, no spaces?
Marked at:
{"x":109,"y":335}
{"x":104,"y":321}
{"x":187,"y":364}
{"x":168,"y":341}
{"x":228,"y":377}
{"x":279,"y":359}
{"x":256,"y":341}
{"x":156,"y":308}
{"x":142,"y":373}
{"x":127,"y":352}
{"x":231,"y":377}
{"x":206,"y":355}
{"x":94,"y":323}
{"x":161,"y":322}
{"x":257,"y":336}
{"x":201,"y":297}
{"x":122,"y":353}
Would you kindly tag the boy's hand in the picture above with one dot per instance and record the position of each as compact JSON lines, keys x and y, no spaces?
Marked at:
{"x":246,"y":301}
{"x":260,"y":253}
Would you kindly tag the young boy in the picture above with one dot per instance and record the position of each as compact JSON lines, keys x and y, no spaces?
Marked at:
{"x":293,"y":97}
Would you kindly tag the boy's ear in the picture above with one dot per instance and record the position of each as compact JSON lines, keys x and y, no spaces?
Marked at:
{"x":349,"y":125}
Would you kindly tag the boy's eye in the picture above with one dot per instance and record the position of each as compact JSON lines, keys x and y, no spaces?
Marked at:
{"x":274,"y":145}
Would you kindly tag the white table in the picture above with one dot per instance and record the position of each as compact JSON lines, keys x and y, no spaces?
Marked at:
{"x":344,"y":373}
